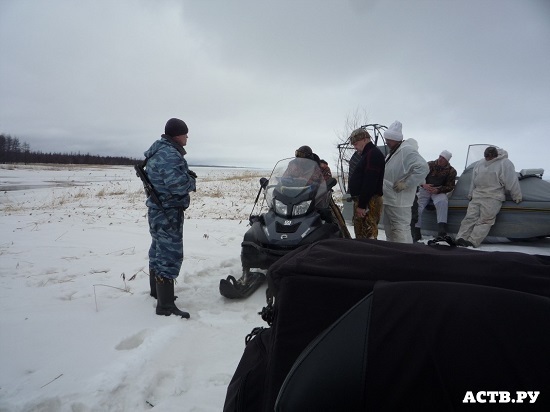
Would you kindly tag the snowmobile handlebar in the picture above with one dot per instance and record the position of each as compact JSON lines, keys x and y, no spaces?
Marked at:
{"x":263,"y":184}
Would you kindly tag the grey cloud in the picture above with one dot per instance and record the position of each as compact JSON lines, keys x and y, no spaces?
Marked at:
{"x":255,"y":78}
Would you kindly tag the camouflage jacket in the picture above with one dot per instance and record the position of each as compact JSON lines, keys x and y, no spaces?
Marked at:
{"x":169,"y":174}
{"x":327,"y":174}
{"x":442,"y":177}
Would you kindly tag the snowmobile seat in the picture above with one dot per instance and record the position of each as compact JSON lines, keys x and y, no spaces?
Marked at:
{"x":426,"y":346}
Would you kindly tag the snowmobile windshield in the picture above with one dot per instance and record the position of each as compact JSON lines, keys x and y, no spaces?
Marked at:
{"x":296,"y":187}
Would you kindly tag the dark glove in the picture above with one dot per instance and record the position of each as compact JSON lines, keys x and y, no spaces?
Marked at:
{"x":192,"y":174}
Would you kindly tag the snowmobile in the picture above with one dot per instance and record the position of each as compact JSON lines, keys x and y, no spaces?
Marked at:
{"x":298,"y":209}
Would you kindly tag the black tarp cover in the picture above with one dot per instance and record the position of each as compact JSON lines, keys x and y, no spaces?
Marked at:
{"x":425,"y":346}
{"x":315,"y":285}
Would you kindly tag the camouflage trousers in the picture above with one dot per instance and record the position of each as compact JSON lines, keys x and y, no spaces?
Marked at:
{"x":166,"y":251}
{"x":367,"y":227}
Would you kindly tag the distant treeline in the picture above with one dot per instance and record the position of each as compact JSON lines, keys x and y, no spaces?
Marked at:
{"x":12,"y":150}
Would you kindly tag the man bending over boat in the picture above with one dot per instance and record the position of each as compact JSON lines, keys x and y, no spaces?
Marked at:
{"x":492,"y":177}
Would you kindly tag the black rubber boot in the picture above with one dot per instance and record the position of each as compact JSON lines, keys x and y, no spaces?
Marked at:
{"x":442,"y":229}
{"x":165,"y":299}
{"x":417,"y":235}
{"x":464,"y":243}
{"x":152,"y":283}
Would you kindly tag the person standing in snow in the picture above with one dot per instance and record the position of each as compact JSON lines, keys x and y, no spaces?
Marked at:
{"x":491,"y":178}
{"x":405,"y":170}
{"x":440,"y":181}
{"x":365,"y":185}
{"x":172,"y":180}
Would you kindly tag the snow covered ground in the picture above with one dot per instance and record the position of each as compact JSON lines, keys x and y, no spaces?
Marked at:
{"x":78,"y":330}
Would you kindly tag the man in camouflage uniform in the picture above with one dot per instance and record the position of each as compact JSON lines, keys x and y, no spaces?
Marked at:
{"x":365,"y":185}
{"x":325,"y":170}
{"x":439,"y":181}
{"x":171,"y":178}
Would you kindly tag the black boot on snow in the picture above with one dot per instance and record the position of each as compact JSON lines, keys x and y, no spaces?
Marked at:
{"x":464,"y":243}
{"x":442,"y":240}
{"x":152,"y":283}
{"x":417,"y":235}
{"x":165,"y":299}
{"x":442,"y":229}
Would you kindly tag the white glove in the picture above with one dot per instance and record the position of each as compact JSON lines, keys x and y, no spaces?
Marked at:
{"x":518,"y":199}
{"x":469,"y":197}
{"x":399,"y":186}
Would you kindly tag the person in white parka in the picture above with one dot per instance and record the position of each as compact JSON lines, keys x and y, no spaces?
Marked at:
{"x":492,"y":177}
{"x":405,"y":170}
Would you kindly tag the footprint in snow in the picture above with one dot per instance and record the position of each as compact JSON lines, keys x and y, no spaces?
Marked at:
{"x":132,"y":342}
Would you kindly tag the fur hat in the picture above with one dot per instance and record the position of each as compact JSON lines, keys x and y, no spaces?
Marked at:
{"x":446,"y":154}
{"x":394,"y":132}
{"x":358,"y":134}
{"x":175,"y":127}
{"x":304,"y":151}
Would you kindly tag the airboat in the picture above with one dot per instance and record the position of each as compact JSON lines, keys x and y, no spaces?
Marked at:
{"x":527,"y":220}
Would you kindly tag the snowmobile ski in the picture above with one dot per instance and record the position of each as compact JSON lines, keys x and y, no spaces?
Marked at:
{"x":243,"y":287}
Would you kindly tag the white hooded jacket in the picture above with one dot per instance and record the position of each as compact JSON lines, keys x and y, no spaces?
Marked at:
{"x":492,"y":178}
{"x":408,"y":166}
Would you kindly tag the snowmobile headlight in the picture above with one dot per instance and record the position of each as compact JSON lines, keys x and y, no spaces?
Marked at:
{"x":301,"y":208}
{"x":280,"y":208}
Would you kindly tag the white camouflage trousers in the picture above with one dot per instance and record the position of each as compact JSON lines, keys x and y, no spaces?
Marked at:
{"x":441,"y":203}
{"x":479,"y":219}
{"x":397,"y":223}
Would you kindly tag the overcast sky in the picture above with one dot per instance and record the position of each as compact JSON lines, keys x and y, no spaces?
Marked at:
{"x":256,"y":79}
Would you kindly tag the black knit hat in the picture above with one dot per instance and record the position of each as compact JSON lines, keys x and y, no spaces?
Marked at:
{"x":175,"y":127}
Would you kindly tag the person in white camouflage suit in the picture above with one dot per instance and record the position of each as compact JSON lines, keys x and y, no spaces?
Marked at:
{"x":492,"y":177}
{"x":405,"y":170}
{"x":172,"y":180}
